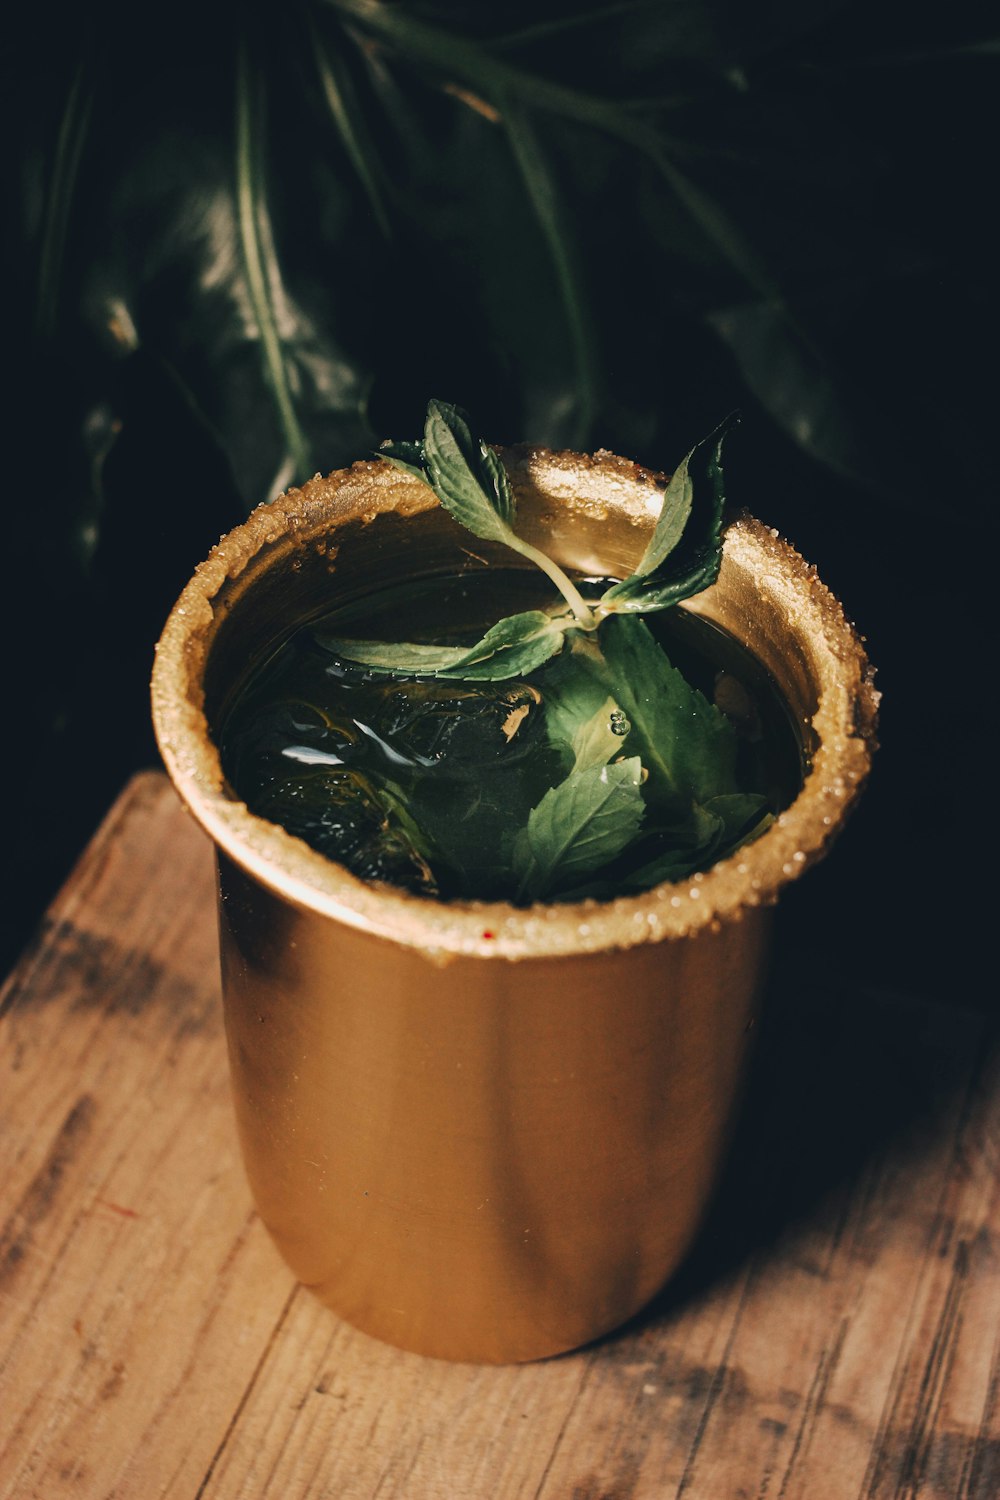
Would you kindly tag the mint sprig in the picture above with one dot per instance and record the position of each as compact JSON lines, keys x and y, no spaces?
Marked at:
{"x":682,"y":558}
{"x":649,"y":786}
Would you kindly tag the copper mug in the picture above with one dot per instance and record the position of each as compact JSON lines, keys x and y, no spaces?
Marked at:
{"x":478,"y":1131}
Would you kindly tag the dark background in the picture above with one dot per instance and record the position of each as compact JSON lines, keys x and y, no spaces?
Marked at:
{"x":245,"y":244}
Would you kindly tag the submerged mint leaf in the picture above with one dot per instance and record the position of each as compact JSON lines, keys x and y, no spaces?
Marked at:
{"x":472,"y":486}
{"x":743,"y":815}
{"x":393,"y":800}
{"x":511,"y":648}
{"x":680,"y":849}
{"x":712,"y":831}
{"x":672,"y":864}
{"x":686,"y":744}
{"x":685,"y":551}
{"x":579,"y":825}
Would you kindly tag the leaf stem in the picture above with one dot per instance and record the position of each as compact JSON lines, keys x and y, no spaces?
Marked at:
{"x":582,"y":612}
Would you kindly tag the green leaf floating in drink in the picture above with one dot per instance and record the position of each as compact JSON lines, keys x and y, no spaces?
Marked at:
{"x":554,"y":753}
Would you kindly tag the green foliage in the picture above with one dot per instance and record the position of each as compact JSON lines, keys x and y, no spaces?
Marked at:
{"x":617,"y":683}
{"x":265,"y":205}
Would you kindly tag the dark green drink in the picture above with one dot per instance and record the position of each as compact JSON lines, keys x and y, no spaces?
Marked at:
{"x":430,"y":784}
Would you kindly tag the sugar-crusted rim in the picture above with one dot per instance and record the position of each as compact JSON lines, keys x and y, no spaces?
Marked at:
{"x":843,"y":729}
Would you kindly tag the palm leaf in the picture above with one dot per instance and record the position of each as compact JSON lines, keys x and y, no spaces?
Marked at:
{"x":59,"y":195}
{"x":260,"y":262}
{"x":544,"y":198}
{"x":511,"y":89}
{"x":345,"y":112}
{"x":719,"y":227}
{"x":560,"y":25}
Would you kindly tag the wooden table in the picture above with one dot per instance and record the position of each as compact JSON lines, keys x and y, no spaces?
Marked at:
{"x":834,"y":1335}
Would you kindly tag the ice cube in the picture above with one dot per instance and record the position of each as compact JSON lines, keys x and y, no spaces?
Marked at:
{"x":339,"y":813}
{"x":467,"y":726}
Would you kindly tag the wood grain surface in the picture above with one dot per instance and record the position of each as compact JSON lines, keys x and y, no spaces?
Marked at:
{"x":834,"y":1334}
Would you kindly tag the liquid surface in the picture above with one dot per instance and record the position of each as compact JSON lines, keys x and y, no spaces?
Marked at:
{"x":428,"y":783}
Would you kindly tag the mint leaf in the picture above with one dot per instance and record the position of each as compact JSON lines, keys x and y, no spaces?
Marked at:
{"x":511,"y":648}
{"x":674,"y":515}
{"x":467,"y":477}
{"x":496,"y":483}
{"x":472,"y":485}
{"x":596,"y":741}
{"x":685,"y":551}
{"x":579,"y":704}
{"x":578,"y":826}
{"x":686,"y":744}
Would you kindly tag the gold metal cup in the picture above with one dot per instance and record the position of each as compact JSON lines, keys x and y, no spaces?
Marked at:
{"x":477,"y":1131}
